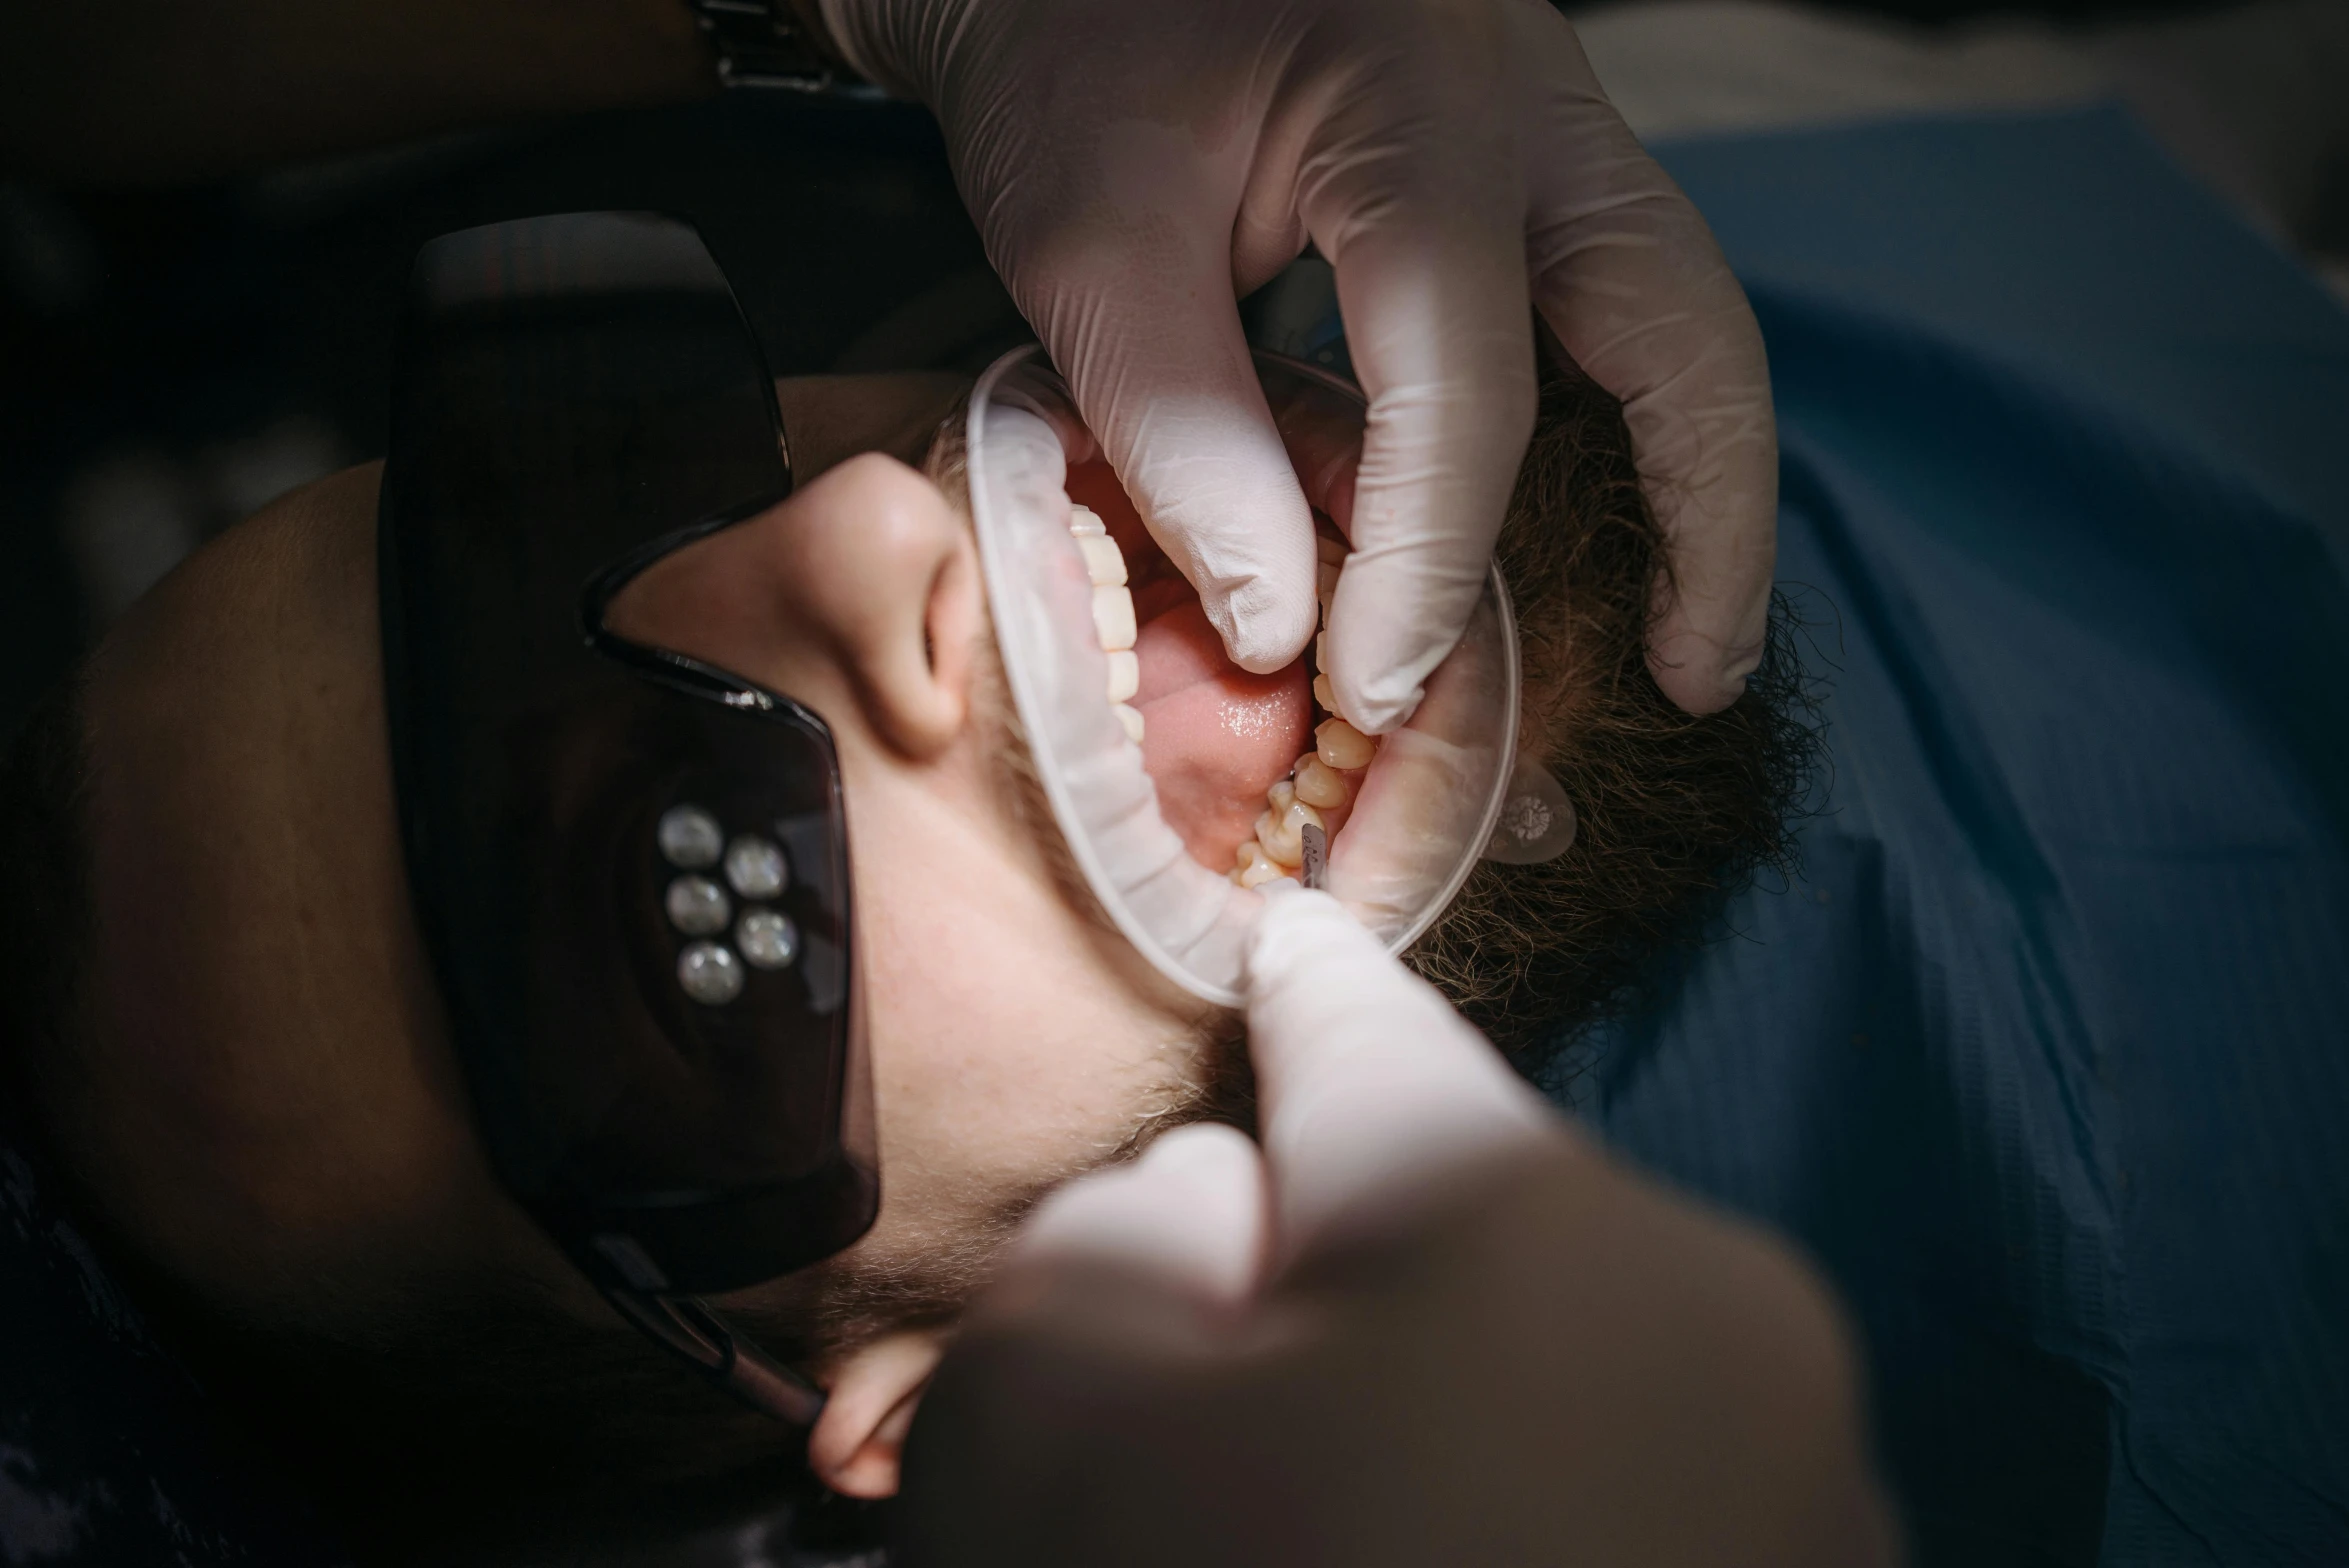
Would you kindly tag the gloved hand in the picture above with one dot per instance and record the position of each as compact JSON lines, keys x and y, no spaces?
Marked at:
{"x":1423,"y":1324}
{"x":1136,"y":167}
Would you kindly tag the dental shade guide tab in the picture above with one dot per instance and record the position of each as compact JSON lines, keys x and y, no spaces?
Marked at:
{"x":1316,"y":872}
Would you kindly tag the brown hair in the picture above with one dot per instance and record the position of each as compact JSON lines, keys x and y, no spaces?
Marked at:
{"x":1675,"y":812}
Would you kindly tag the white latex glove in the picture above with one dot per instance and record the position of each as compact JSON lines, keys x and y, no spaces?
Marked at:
{"x":1373,"y":1093}
{"x":1422,"y":1324}
{"x":1136,"y":167}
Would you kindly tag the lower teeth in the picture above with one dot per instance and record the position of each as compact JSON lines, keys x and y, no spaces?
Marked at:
{"x":1324,"y":779}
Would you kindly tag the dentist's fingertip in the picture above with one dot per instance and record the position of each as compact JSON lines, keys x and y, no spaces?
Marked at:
{"x":1694,"y":672}
{"x":1380,"y":705}
{"x":1299,"y":926}
{"x":1263,"y":629}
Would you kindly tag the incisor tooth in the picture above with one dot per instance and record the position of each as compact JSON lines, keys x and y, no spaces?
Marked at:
{"x":1113,"y":618}
{"x":1103,"y":562}
{"x":1125,"y":675}
{"x":1131,"y":718}
{"x":1325,"y":580}
{"x":1320,"y":785}
{"x":1323,"y":695}
{"x":1084,"y":521}
{"x":1341,"y":745}
{"x":1327,"y":549}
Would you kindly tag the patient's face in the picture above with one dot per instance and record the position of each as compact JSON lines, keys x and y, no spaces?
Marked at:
{"x":267,"y":1111}
{"x":266,"y":1002}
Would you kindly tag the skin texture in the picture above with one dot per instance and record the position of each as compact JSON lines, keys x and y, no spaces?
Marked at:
{"x":267,"y":1111}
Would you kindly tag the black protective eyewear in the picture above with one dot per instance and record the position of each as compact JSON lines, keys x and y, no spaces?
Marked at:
{"x":630,"y":867}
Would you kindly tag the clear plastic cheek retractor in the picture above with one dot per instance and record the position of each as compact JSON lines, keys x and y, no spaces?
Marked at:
{"x":1430,"y":799}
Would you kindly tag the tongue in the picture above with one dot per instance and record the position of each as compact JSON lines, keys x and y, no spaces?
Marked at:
{"x":1215,"y":737}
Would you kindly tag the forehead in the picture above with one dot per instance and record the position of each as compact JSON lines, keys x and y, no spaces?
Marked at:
{"x":265,"y":1060}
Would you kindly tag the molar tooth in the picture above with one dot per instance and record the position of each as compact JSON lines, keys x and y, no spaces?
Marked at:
{"x":1103,"y":562}
{"x":1125,"y":675}
{"x":1281,"y":794}
{"x":1320,"y":785}
{"x":1256,"y":867}
{"x":1084,"y":522}
{"x":1131,"y":718}
{"x":1341,"y":745}
{"x":1113,"y":618}
{"x":1268,"y":838}
{"x":1282,"y":832}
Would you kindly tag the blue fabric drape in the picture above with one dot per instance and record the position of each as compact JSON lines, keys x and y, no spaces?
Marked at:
{"x":2045,"y":1057}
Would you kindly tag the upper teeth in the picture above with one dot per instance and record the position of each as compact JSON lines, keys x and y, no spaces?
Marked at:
{"x":1125,"y":675}
{"x":1113,"y":612}
{"x":1113,"y":618}
{"x":1102,"y":560}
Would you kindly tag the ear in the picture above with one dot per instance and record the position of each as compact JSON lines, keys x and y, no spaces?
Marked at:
{"x":875,"y":1390}
{"x":861,"y":589}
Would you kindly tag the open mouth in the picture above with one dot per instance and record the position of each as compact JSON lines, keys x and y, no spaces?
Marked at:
{"x":1235,"y":756}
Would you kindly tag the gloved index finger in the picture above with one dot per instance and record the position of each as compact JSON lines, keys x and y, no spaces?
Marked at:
{"x":1430,"y":265}
{"x":1372,"y":1089}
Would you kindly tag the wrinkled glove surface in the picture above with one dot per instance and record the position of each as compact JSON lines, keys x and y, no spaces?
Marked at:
{"x":1136,"y":168}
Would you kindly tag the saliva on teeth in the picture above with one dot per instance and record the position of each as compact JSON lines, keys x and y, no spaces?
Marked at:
{"x":1320,"y":788}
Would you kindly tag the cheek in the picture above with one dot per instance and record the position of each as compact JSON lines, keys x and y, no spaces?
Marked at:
{"x":1005,"y":1051}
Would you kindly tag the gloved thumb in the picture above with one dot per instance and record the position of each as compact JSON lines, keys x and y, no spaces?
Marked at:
{"x":1189,"y":1215}
{"x":1372,"y":1089}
